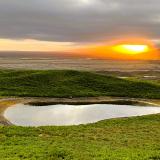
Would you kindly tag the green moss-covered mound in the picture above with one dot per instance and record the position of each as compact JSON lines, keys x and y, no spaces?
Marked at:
{"x":72,"y":84}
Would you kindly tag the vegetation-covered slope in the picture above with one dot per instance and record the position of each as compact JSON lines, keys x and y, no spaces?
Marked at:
{"x":120,"y":139}
{"x":72,"y":83}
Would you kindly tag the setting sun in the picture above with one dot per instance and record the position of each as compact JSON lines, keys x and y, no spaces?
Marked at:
{"x":123,"y":49}
{"x":131,"y":49}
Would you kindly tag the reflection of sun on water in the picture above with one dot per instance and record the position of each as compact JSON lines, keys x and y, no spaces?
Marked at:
{"x":131,"y":49}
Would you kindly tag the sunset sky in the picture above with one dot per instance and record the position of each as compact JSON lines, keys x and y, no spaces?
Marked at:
{"x":92,"y":27}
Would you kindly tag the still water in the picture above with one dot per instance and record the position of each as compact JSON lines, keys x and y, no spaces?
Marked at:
{"x":58,"y":115}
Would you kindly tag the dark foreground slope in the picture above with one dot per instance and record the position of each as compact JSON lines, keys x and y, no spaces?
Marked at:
{"x":120,"y":139}
{"x":72,"y":83}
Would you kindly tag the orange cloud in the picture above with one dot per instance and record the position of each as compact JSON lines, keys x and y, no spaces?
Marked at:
{"x":33,"y":45}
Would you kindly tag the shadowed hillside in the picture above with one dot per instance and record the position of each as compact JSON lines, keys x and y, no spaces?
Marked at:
{"x":72,"y":84}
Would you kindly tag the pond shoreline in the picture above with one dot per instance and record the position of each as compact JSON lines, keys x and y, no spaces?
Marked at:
{"x":6,"y":102}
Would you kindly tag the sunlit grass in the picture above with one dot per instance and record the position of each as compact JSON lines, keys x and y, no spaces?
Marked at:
{"x":120,"y":139}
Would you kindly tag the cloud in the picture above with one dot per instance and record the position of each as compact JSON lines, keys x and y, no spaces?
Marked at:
{"x":78,"y":20}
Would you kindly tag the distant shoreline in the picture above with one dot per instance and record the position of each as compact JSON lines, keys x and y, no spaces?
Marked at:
{"x":83,"y":64}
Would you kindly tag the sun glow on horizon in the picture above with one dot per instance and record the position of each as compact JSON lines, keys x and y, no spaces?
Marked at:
{"x":123,"y":49}
{"x":131,"y":48}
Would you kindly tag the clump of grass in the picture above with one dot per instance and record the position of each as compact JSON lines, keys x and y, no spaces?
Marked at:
{"x":72,"y":84}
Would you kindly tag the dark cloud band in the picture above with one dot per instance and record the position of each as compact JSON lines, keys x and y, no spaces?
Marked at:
{"x":78,"y":20}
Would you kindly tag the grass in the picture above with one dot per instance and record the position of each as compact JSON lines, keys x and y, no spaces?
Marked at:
{"x":135,"y":138}
{"x":72,"y":84}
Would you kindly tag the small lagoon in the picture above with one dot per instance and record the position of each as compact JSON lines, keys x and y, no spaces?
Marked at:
{"x":63,"y":115}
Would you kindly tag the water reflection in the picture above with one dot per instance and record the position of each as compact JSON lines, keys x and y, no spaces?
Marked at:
{"x":25,"y":115}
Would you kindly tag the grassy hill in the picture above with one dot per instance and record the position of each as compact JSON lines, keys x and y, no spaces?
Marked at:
{"x":134,"y":138}
{"x":72,"y":83}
